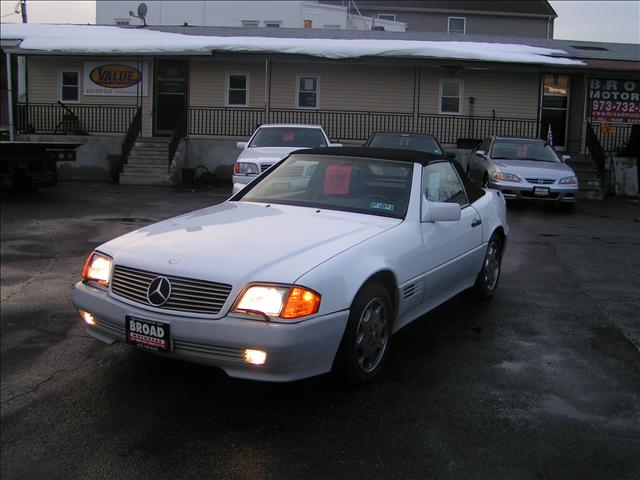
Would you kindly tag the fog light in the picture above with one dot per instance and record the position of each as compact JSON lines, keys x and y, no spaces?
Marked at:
{"x":257,"y":357}
{"x":87,"y":317}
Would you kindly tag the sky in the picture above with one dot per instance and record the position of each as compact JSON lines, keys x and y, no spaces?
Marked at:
{"x":602,"y":21}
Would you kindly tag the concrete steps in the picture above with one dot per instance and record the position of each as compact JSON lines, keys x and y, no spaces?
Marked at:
{"x":588,"y":178}
{"x":147,"y":163}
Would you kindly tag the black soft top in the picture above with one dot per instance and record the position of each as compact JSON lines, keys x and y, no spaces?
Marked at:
{"x":392,"y":154}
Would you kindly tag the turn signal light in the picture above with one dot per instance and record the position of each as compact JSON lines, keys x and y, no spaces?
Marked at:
{"x":301,"y":302}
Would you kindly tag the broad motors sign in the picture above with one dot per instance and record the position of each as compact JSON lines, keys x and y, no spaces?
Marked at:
{"x":613,"y":101}
{"x":115,"y":78}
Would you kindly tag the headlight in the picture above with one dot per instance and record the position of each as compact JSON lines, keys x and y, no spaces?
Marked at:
{"x":243,"y":168}
{"x":287,"y":302}
{"x":506,"y":177}
{"x":573,"y":180}
{"x":97,"y":269}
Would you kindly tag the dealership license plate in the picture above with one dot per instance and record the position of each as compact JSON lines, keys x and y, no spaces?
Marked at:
{"x":541,"y":191}
{"x":149,"y":334}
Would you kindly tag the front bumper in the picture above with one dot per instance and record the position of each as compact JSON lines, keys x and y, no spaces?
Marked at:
{"x":294,"y":351}
{"x":525,"y":191}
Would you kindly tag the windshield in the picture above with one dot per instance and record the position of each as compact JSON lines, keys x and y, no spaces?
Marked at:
{"x":361,"y":185}
{"x":288,"y":137}
{"x":523,"y":150}
{"x":421,"y":143}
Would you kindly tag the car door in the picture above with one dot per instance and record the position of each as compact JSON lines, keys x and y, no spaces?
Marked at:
{"x":449,"y":248}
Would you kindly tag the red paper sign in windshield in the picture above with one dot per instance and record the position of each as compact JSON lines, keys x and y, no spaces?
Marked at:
{"x":337,"y":179}
{"x":288,"y":136}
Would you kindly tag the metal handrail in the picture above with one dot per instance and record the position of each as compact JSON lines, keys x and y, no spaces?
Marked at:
{"x":130,"y":138}
{"x":180,"y":131}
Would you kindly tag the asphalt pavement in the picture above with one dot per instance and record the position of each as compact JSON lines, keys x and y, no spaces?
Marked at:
{"x":541,"y":382}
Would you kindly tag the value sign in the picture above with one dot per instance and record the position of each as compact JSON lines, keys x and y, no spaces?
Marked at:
{"x":613,"y":101}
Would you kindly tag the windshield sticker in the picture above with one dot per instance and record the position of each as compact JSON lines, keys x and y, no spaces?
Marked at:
{"x":383,"y":206}
{"x":288,"y":136}
{"x":521,"y":151}
{"x":337,"y":179}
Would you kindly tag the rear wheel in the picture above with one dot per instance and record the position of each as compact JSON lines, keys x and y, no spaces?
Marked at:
{"x":489,"y":276}
{"x":366,"y":340}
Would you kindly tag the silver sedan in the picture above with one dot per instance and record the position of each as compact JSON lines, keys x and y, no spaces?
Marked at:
{"x":524,"y":169}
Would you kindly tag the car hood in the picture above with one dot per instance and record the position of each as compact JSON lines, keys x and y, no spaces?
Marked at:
{"x":266,"y":154}
{"x":240,"y":242}
{"x":534,"y":169}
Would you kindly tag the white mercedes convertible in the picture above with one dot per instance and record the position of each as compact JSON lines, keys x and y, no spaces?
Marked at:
{"x":309,"y":269}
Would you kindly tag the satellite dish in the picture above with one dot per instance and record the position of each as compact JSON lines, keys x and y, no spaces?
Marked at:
{"x":142,"y":11}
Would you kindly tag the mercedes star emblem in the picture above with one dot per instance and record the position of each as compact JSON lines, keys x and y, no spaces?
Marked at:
{"x":159,"y":291}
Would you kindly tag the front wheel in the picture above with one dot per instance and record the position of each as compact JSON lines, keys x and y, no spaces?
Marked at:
{"x":487,"y":281}
{"x":366,"y":340}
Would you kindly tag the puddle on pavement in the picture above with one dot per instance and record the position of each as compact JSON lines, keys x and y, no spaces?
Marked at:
{"x":513,"y":367}
{"x":129,"y":220}
{"x":612,"y":341}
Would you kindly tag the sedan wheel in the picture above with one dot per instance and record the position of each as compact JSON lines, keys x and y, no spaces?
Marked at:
{"x":488,"y":278}
{"x":367,"y":337}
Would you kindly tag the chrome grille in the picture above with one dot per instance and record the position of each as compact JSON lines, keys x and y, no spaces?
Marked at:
{"x":187,"y":294}
{"x":540,"y":181}
{"x":265,"y":166}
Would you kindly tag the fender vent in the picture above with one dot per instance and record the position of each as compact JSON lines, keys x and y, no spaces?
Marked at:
{"x":409,"y":291}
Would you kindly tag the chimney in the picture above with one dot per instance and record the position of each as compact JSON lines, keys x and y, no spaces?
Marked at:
{"x":308,"y":23}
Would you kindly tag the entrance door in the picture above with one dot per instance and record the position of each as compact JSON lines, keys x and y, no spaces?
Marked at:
{"x":554,"y":109}
{"x":170,"y":95}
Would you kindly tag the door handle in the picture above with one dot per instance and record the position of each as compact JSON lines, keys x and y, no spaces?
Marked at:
{"x":476,"y":222}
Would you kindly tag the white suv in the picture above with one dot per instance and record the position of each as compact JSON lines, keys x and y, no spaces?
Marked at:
{"x":271,"y":143}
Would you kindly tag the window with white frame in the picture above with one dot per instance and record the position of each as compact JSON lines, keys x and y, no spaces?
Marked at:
{"x":387,"y":16}
{"x":272,"y":24}
{"x":69,"y":86}
{"x":237,"y":89}
{"x":451,"y":96}
{"x":307,"y":89}
{"x":250,"y":23}
{"x":457,"y":25}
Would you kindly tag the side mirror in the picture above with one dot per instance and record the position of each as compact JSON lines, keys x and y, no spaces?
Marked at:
{"x":335,"y":145}
{"x":242,"y":145}
{"x":440,"y":211}
{"x":481,"y":153}
{"x":450,"y":155}
{"x":565,"y":158}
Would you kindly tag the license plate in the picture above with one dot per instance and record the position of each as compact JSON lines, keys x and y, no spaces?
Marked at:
{"x":541,"y":191}
{"x":149,"y":334}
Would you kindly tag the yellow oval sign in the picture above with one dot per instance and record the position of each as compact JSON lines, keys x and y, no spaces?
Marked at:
{"x":115,"y":76}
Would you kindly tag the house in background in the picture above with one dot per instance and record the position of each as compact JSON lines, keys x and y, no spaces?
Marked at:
{"x":522,"y":18}
{"x":256,"y":14}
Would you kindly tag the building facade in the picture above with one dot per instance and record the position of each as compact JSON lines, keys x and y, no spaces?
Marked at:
{"x":214,"y":98}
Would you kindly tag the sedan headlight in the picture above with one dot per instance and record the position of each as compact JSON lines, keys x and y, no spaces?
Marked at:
{"x":97,"y":269}
{"x":573,"y":180}
{"x":287,"y":302}
{"x":506,"y":177}
{"x":244,"y":168}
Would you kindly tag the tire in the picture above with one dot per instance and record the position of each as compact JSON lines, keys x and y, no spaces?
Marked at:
{"x":365,"y":345}
{"x":489,"y":276}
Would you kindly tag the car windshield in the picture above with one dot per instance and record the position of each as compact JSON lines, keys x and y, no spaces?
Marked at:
{"x":523,"y":150}
{"x":421,"y":143}
{"x":360,"y":185}
{"x":288,"y":137}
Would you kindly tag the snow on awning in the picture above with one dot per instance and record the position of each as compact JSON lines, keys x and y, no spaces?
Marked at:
{"x":94,"y":39}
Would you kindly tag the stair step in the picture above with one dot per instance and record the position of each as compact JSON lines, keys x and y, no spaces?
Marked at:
{"x":153,"y":169}
{"x":590,"y":194}
{"x":144,"y":179}
{"x":148,"y":161}
{"x":150,"y":151}
{"x":151,"y":145}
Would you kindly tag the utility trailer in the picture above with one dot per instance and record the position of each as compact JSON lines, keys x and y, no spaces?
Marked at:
{"x":29,"y":165}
